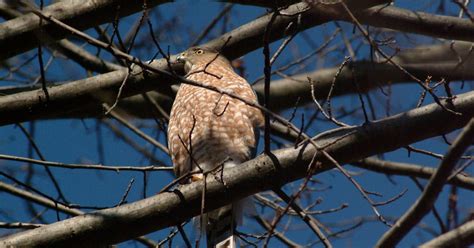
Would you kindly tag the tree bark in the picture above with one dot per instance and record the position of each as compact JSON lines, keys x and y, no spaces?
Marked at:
{"x":262,"y":173}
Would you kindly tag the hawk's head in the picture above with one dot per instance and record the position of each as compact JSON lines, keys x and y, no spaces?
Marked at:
{"x":197,"y":58}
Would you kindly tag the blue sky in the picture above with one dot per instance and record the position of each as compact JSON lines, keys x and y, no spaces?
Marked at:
{"x":76,"y":141}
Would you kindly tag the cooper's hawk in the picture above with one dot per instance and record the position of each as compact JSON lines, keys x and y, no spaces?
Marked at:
{"x":208,"y":130}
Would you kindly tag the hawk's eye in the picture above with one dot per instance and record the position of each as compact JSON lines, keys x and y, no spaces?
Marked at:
{"x":199,"y":51}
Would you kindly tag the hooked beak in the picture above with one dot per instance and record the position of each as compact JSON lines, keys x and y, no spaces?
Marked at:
{"x":180,"y":58}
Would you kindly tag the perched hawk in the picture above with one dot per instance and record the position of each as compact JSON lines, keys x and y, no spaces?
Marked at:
{"x":208,"y":129}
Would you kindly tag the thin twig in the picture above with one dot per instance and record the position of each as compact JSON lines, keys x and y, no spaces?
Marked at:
{"x":85,"y":166}
{"x":119,"y":93}
{"x":125,"y":194}
{"x":38,"y":152}
{"x":305,"y":217}
{"x":212,"y":24}
{"x":424,"y":204}
{"x":19,"y":225}
{"x":134,"y":129}
{"x":435,"y":212}
{"x":267,"y":71}
{"x":391,"y":61}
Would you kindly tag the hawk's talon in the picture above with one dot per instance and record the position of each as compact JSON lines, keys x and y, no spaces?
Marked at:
{"x":197,"y":177}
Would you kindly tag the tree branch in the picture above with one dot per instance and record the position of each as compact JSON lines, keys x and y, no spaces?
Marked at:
{"x":447,"y":27}
{"x":69,"y":97}
{"x":396,"y":168}
{"x":463,"y":236}
{"x":39,"y":199}
{"x":427,"y":199}
{"x":285,"y":91}
{"x":21,"y":34}
{"x":262,"y":173}
{"x":244,"y":39}
{"x":369,"y":76}
{"x":67,"y":48}
{"x":43,"y":201}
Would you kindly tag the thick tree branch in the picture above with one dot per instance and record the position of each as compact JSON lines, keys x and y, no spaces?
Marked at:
{"x":447,"y":52}
{"x":83,"y":15}
{"x":67,"y":48}
{"x":284,"y":92}
{"x":462,"y":236}
{"x":21,"y":34}
{"x":301,"y":16}
{"x":49,"y":203}
{"x":368,"y":75}
{"x":31,"y":106}
{"x":75,"y":96}
{"x":447,"y":27}
{"x":65,"y":98}
{"x":263,"y":173}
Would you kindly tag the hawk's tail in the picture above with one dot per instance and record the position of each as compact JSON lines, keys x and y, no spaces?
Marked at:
{"x":220,"y":227}
{"x":222,"y":222}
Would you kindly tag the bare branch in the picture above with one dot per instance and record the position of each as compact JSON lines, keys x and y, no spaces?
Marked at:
{"x":67,"y":97}
{"x":285,"y":165}
{"x":440,"y":26}
{"x":123,"y":121}
{"x":39,"y":199}
{"x":308,"y":219}
{"x":47,"y":203}
{"x":405,"y":169}
{"x":19,"y":225}
{"x":20,"y":34}
{"x":284,"y":92}
{"x":369,"y":76}
{"x":461,"y":236}
{"x":424,"y":204}
{"x":84,"y":166}
{"x":447,"y":27}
